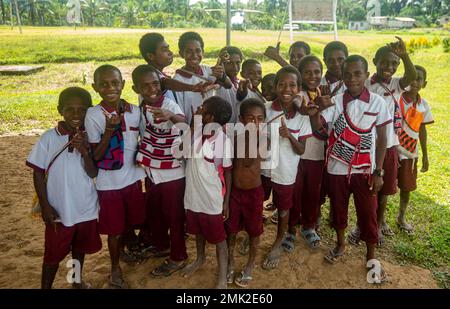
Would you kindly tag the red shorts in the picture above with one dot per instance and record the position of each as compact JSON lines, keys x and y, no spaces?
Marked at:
{"x":283,"y":196}
{"x":407,"y":175}
{"x":246,"y":209}
{"x":267,"y":187}
{"x":339,"y":190}
{"x":209,"y":226}
{"x":390,"y":167}
{"x":121,"y":209}
{"x":82,"y":237}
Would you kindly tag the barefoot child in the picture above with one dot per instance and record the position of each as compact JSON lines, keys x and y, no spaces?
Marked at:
{"x":297,"y":51}
{"x":113,"y":130}
{"x":355,"y":155}
{"x":165,"y":175}
{"x":293,"y":129}
{"x":247,"y":194}
{"x":232,"y":68}
{"x":384,"y":84}
{"x":208,"y":185}
{"x":65,"y":187}
{"x":191,"y":48}
{"x":416,"y":114}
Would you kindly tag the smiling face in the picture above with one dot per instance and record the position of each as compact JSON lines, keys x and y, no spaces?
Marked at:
{"x":295,"y":55}
{"x":233,"y":66}
{"x":311,"y":75}
{"x":149,"y":87}
{"x":334,"y":61}
{"x":417,"y":84}
{"x":73,"y":112}
{"x":387,"y":65}
{"x":109,"y":86}
{"x":354,"y":75}
{"x":286,"y":88}
{"x":192,"y":54}
{"x":162,"y":57}
{"x":254,"y":115}
{"x":253,"y":72}
{"x":268,"y":89}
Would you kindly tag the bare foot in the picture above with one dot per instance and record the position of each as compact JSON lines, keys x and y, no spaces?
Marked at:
{"x":221,"y":284}
{"x":230,"y":273}
{"x":192,"y":268}
{"x":272,"y":259}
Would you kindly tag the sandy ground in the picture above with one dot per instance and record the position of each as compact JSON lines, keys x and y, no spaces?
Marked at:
{"x":22,"y":239}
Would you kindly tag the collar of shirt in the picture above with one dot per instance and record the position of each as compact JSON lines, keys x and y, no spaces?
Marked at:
{"x":185,"y":74}
{"x":126,"y":106}
{"x":375,"y":79}
{"x":364,"y":96}
{"x":61,"y":130}
{"x":276,"y":106}
{"x":158,"y":103}
{"x":409,"y":100}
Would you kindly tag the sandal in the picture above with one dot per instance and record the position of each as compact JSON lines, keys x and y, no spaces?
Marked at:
{"x":230,"y":276}
{"x":129,"y":257}
{"x":243,"y":280}
{"x":274,"y":217}
{"x":152,"y":252}
{"x":244,"y":247}
{"x":406,"y":227}
{"x":382,"y":276}
{"x":288,"y":242}
{"x":386,"y":230}
{"x":333,"y":256}
{"x":269,"y":207}
{"x":354,"y":236}
{"x":271,"y":261}
{"x":311,"y":238}
{"x":167,"y":268}
{"x":121,"y":284}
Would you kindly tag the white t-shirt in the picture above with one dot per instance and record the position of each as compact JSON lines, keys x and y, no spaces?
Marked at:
{"x":205,"y":186}
{"x":394,"y":86}
{"x":70,"y":191}
{"x":95,"y":123}
{"x":283,"y":158}
{"x":425,"y":109}
{"x":188,"y":99}
{"x":162,"y":175}
{"x":367,"y":111}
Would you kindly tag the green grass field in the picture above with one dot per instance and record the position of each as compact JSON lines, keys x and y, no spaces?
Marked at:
{"x":70,"y":57}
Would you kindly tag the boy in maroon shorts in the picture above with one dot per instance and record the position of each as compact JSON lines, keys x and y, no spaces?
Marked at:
{"x":68,"y":199}
{"x":247,"y":195}
{"x":113,"y":130}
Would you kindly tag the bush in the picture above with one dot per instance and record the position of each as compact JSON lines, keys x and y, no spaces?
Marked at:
{"x":446,"y":44}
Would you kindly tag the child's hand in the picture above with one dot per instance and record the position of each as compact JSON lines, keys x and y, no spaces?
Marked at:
{"x":112,"y":120}
{"x":244,"y":84}
{"x":204,"y":87}
{"x":375,"y":184}
{"x":80,"y":143}
{"x":284,"y":131}
{"x":323,"y":102}
{"x":160,"y":114}
{"x":304,"y":108}
{"x":225,"y":211}
{"x":223,"y":57}
{"x":48,"y":213}
{"x":325,"y":89}
{"x":424,"y":165}
{"x":398,"y":48}
{"x":218,"y":72}
{"x":273,"y":52}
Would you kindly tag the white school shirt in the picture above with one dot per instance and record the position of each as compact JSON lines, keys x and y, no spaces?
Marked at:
{"x":70,"y":191}
{"x":285,"y":160}
{"x":394,"y":86}
{"x":205,"y":186}
{"x":129,"y":173}
{"x":169,"y":94}
{"x":369,"y":110}
{"x":425,"y":109}
{"x":229,"y":95}
{"x":188,"y":99}
{"x":162,"y":175}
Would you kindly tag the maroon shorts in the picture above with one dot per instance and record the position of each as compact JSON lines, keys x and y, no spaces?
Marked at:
{"x":209,"y":226}
{"x":339,"y":190}
{"x":267,"y":187}
{"x":121,"y":209}
{"x":390,"y":167}
{"x":283,"y":196}
{"x":82,"y":237}
{"x":246,"y":209}
{"x":407,"y":175}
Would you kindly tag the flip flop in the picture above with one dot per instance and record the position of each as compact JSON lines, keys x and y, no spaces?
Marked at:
{"x":288,"y":242}
{"x":269,"y":207}
{"x":274,"y":217}
{"x":167,"y":268}
{"x":354,"y":236}
{"x":312,"y":238}
{"x":383,"y":276}
{"x":130,"y":257}
{"x":407,"y":228}
{"x":333,"y":256}
{"x":243,"y":280}
{"x":271,"y":262}
{"x":121,"y":284}
{"x":230,"y":276}
{"x":386,"y":230}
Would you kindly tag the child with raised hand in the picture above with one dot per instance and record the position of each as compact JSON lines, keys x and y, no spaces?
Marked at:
{"x":297,"y":51}
{"x":248,"y":86}
{"x":293,"y":128}
{"x":165,"y":181}
{"x":113,"y":131}
{"x":208,"y":185}
{"x":416,"y":115}
{"x":63,"y":172}
{"x":191,"y":48}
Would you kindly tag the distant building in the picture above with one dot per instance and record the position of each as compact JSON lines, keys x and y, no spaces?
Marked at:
{"x":444,"y":20}
{"x":358,"y":25}
{"x":389,"y":22}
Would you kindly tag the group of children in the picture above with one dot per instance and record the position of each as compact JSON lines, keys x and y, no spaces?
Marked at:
{"x":334,"y":134}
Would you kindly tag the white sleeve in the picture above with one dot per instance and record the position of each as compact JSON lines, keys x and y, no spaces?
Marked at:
{"x":427,"y":116}
{"x":37,"y":159}
{"x":93,"y":129}
{"x":384,"y":116}
{"x":330,"y":114}
{"x":305,"y":128}
{"x":227,"y":160}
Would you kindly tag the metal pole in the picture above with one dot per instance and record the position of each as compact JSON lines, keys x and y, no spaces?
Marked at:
{"x":18,"y":16}
{"x":228,"y":22}
{"x":335,"y":20}
{"x":291,"y":31}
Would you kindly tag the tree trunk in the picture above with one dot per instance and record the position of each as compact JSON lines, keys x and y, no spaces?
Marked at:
{"x":2,"y":5}
{"x":32,"y":12}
